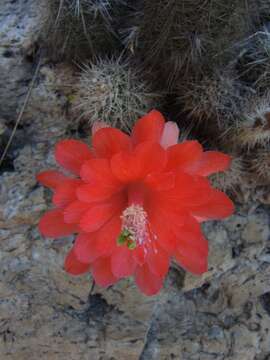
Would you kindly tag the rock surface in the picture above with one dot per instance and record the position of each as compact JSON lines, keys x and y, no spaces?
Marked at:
{"x":47,"y":314}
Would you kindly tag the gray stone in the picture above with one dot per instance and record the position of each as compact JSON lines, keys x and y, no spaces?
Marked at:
{"x":20,"y":26}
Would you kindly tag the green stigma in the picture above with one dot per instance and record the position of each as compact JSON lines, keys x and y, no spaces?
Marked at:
{"x":125,"y":238}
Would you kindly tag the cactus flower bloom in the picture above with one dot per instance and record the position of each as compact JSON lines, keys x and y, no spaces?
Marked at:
{"x":135,"y":202}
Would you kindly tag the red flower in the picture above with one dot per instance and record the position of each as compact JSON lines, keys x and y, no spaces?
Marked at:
{"x":135,"y":201}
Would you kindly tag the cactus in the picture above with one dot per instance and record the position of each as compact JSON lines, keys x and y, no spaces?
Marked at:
{"x":253,"y":59}
{"x":230,"y":180}
{"x":111,"y":90}
{"x":209,"y":60}
{"x":259,"y":166}
{"x":190,"y":36}
{"x":253,"y":126}
{"x":129,"y":24}
{"x":218,"y":98}
{"x":79,"y":29}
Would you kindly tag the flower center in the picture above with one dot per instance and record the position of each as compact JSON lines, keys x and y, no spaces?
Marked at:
{"x":134,"y":227}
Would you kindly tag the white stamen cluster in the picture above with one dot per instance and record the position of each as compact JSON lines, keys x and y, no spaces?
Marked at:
{"x":135,"y":222}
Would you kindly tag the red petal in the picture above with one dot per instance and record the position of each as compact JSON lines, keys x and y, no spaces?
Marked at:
{"x":102,"y":273}
{"x":210,"y":163}
{"x":152,"y":157}
{"x":51,"y":178}
{"x":96,"y":171}
{"x":74,"y":266}
{"x":71,"y":154}
{"x":170,"y":135}
{"x":149,"y":127}
{"x":93,"y":193}
{"x":195,"y":263}
{"x":100,"y":213}
{"x":147,"y":282}
{"x":85,"y":248}
{"x":74,"y":212}
{"x":192,"y":247}
{"x":160,"y":181}
{"x":90,"y":246}
{"x":181,"y":155}
{"x":123,"y":263}
{"x":147,"y":158}
{"x":96,"y":217}
{"x":101,"y":182}
{"x":219,"y":206}
{"x":52,"y":224}
{"x":158,"y":261}
{"x":66,"y":192}
{"x":139,"y":254}
{"x":163,"y":215}
{"x":107,"y":236}
{"x":189,"y":191}
{"x":126,"y":167}
{"x":160,"y":227}
{"x":110,"y":141}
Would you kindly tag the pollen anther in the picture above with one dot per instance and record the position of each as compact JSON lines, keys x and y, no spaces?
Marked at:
{"x":134,"y":226}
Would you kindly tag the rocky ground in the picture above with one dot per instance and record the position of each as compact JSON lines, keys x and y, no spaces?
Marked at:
{"x":47,"y":314}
